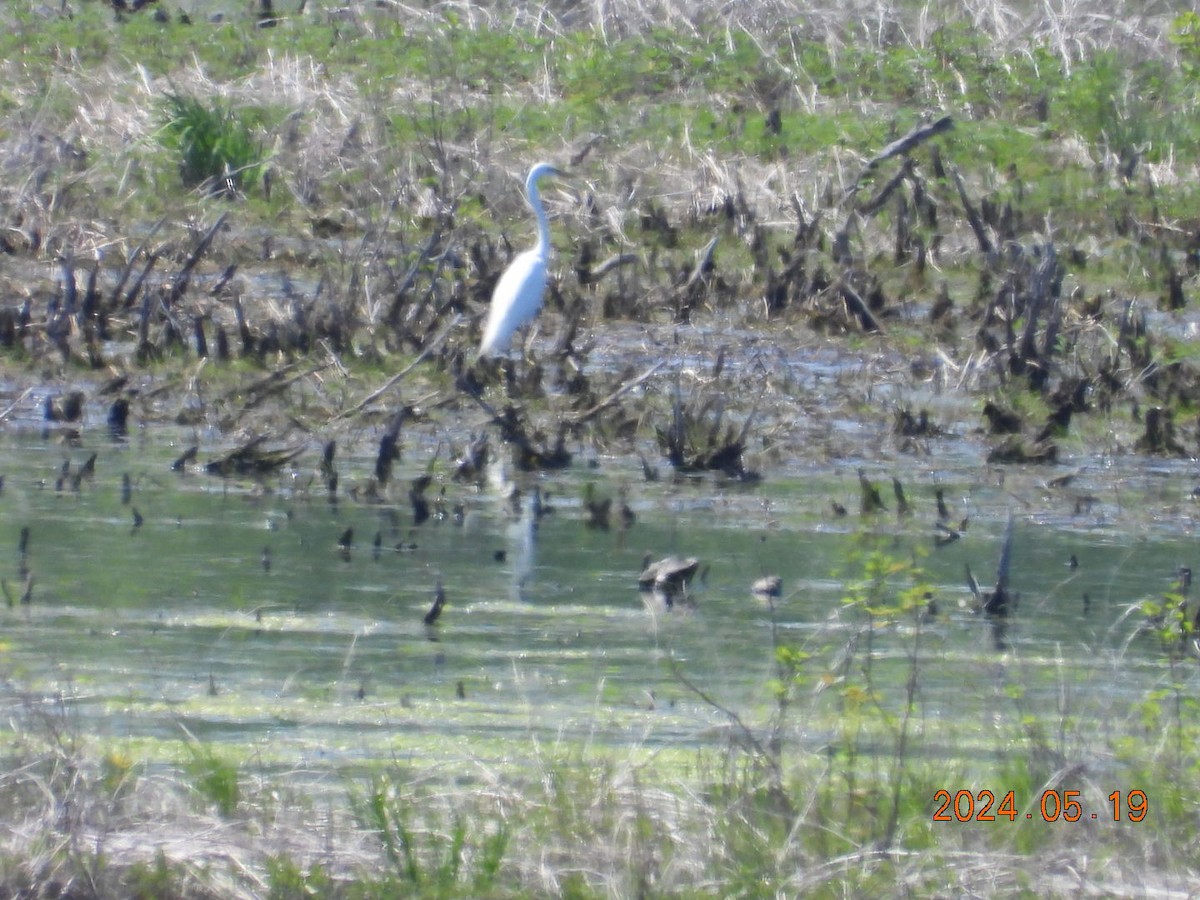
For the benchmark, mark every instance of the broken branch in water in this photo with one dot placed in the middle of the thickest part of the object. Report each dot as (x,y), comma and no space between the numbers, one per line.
(589,414)
(395,379)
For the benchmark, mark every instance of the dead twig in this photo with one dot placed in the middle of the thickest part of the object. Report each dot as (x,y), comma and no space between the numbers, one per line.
(8,410)
(589,414)
(275,383)
(858,306)
(430,346)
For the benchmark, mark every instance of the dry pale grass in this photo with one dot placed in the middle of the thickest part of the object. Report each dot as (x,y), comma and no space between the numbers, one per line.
(101,132)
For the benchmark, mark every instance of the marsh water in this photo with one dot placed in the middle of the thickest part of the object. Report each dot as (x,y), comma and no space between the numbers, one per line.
(231,614)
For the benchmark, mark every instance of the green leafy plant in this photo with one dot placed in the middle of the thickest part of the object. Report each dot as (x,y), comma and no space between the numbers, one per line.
(1185,35)
(214,779)
(289,881)
(215,144)
(427,859)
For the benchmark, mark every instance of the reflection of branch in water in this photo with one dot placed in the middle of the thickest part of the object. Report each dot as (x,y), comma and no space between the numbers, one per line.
(997,603)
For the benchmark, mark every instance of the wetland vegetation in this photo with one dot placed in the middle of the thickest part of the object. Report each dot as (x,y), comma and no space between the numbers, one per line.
(889,301)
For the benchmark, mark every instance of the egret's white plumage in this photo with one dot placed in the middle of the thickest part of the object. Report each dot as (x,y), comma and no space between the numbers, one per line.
(518,295)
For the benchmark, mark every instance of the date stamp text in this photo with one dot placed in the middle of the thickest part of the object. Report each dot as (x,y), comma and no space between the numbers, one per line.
(1053,806)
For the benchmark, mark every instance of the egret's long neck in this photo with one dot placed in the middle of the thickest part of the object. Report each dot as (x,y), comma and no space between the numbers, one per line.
(535,202)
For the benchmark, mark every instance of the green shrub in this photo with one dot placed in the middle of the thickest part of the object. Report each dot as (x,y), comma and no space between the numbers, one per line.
(217,150)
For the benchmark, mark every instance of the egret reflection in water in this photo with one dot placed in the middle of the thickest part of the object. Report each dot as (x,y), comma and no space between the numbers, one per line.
(523,542)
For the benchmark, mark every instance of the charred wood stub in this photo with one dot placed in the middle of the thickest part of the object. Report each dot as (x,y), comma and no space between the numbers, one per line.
(1133,337)
(68,408)
(181,462)
(1074,392)
(266,14)
(903,507)
(1001,420)
(523,382)
(389,447)
(118,418)
(1000,602)
(1175,299)
(942,309)
(697,441)
(252,459)
(919,425)
(244,333)
(528,455)
(418,500)
(598,509)
(1029,299)
(328,470)
(1015,449)
(1159,438)
(851,302)
(870,500)
(201,340)
(655,221)
(689,294)
(435,610)
(1057,424)
(530,452)
(974,219)
(470,465)
(10,333)
(792,285)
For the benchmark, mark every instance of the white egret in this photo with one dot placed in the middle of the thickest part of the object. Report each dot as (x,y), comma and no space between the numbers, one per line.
(518,295)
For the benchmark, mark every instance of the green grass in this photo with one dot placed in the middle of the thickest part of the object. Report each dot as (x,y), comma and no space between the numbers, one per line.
(214,779)
(214,143)
(606,823)
(526,88)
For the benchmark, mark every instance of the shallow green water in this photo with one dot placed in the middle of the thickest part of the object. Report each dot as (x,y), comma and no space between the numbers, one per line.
(140,635)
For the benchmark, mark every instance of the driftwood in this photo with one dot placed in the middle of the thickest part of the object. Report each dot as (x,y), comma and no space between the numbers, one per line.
(918,135)
(612,264)
(269,386)
(252,459)
(876,203)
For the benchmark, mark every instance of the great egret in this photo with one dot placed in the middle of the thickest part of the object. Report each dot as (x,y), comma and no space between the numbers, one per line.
(518,295)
